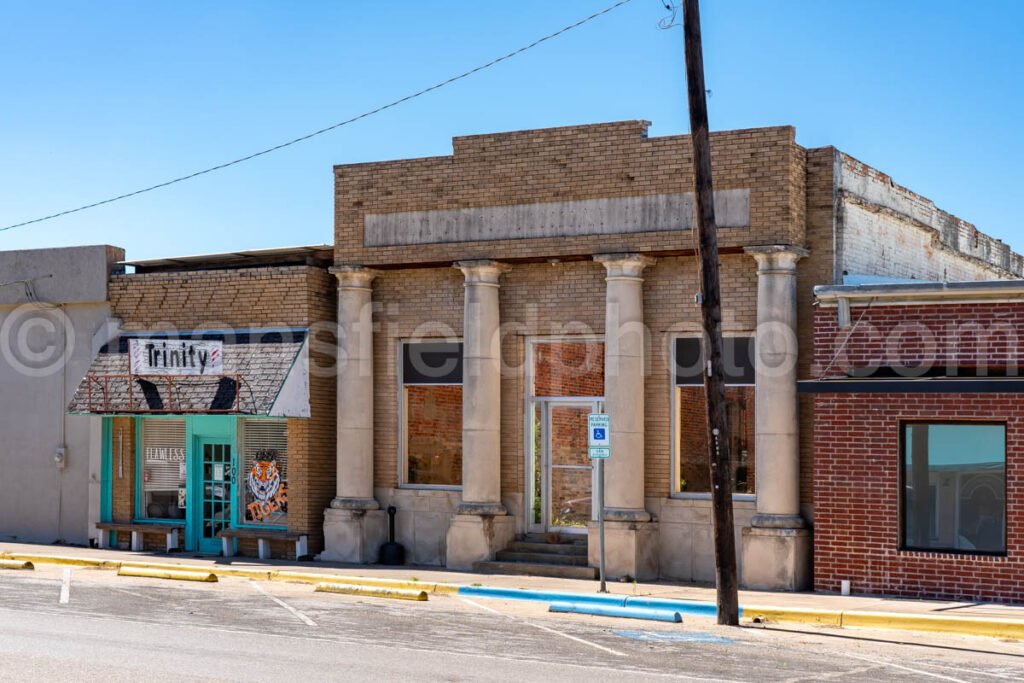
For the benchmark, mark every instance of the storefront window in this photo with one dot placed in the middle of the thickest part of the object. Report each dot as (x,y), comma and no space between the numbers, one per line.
(164,469)
(432,410)
(264,478)
(954,487)
(691,413)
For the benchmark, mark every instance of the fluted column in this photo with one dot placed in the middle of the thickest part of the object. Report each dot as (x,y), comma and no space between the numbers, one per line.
(624,385)
(354,460)
(481,389)
(777,440)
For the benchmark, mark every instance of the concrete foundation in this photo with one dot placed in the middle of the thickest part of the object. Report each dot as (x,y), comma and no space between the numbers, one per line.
(472,538)
(631,549)
(776,559)
(353,535)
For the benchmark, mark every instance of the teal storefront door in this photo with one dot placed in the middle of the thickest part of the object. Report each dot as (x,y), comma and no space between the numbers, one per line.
(215,491)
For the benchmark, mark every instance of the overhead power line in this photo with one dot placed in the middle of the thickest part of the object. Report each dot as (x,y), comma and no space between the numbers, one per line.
(303,138)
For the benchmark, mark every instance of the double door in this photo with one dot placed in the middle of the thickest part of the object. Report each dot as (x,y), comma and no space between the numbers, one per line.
(561,475)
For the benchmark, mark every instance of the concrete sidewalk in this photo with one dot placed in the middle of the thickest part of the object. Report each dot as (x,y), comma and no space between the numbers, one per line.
(659,589)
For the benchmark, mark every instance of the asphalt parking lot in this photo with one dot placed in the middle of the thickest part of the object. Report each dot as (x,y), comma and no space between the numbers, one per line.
(82,624)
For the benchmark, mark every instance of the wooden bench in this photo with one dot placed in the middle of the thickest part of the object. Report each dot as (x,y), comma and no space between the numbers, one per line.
(263,538)
(171,531)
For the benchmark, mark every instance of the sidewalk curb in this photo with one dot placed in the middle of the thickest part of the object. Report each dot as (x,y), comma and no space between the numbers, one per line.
(972,626)
(371,591)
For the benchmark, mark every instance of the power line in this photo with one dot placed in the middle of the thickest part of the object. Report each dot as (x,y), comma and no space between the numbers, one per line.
(303,138)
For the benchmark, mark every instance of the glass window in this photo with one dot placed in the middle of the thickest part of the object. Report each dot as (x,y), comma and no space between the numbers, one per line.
(432,411)
(691,413)
(264,484)
(164,469)
(954,487)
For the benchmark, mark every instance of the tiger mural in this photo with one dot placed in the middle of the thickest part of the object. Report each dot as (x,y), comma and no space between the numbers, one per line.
(266,488)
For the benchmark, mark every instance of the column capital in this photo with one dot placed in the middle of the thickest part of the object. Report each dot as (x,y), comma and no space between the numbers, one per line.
(629,266)
(482,271)
(777,258)
(353,277)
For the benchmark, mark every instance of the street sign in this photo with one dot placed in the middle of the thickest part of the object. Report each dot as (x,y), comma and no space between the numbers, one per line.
(599,428)
(600,452)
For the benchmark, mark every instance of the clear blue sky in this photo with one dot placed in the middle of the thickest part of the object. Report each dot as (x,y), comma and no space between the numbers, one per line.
(97,99)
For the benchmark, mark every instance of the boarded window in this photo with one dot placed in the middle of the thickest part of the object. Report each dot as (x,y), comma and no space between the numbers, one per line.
(164,469)
(264,484)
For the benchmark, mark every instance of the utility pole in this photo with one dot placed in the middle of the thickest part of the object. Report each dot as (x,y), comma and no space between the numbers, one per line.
(720,458)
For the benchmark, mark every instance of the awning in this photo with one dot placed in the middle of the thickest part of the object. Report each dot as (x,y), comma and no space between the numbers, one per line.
(249,372)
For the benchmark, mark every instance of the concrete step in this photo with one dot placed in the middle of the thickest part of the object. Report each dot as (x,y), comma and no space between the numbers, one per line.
(510,555)
(548,548)
(559,571)
(554,538)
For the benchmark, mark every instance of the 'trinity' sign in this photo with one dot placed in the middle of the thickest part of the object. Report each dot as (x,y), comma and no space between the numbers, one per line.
(176,357)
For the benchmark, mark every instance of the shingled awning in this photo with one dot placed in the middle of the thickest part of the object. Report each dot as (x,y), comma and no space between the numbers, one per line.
(262,372)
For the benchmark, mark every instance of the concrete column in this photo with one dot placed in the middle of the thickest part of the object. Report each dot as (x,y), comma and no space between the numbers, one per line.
(481,526)
(777,434)
(624,385)
(630,536)
(776,548)
(350,533)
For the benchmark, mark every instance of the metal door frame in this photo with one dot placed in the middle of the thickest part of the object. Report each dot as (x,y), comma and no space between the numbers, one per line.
(546,403)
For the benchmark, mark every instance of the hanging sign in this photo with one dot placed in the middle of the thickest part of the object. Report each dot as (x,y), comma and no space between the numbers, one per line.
(599,436)
(176,357)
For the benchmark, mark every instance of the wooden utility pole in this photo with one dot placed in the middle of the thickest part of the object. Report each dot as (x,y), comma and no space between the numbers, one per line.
(711,316)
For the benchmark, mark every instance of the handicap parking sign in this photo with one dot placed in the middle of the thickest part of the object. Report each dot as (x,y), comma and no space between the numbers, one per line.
(599,430)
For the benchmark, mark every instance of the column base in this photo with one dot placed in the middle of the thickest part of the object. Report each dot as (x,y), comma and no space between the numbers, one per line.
(626,515)
(353,535)
(476,538)
(630,548)
(355,504)
(769,521)
(776,559)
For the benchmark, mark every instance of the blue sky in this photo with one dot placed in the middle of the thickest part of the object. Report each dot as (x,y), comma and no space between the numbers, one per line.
(104,98)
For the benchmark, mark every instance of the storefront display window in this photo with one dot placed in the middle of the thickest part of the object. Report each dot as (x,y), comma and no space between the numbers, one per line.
(164,469)
(954,487)
(432,411)
(264,478)
(691,413)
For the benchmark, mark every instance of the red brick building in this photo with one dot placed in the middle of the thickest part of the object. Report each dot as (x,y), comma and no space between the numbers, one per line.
(918,438)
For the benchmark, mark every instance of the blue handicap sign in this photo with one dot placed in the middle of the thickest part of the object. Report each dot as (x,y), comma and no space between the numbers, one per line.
(599,434)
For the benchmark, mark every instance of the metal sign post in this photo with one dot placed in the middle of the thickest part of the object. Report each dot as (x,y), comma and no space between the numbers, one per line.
(599,443)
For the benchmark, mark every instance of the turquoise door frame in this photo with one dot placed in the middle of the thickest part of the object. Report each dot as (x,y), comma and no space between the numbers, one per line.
(214,430)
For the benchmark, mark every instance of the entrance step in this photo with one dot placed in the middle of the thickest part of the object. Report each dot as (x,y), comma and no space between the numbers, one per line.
(549,548)
(559,571)
(513,555)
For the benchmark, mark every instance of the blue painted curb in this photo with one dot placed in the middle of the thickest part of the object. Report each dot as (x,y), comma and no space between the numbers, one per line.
(615,611)
(693,607)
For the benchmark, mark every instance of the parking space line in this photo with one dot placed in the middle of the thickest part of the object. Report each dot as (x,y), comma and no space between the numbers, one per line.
(65,587)
(882,662)
(545,628)
(298,615)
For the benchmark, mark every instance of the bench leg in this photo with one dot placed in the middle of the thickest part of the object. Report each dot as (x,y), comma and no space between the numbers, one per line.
(104,539)
(264,548)
(136,541)
(227,546)
(172,540)
(301,547)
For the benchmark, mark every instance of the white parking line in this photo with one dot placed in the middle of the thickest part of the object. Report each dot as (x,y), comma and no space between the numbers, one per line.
(545,628)
(65,587)
(883,662)
(299,615)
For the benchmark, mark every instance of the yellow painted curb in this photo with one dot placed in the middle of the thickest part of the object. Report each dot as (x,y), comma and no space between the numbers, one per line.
(398,584)
(176,575)
(371,591)
(16,564)
(62,559)
(970,626)
(238,572)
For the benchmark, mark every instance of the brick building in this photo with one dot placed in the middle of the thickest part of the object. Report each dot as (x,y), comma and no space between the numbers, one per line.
(576,243)
(918,472)
(217,397)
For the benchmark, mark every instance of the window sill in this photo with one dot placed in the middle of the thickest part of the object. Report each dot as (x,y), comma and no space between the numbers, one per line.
(952,554)
(428,487)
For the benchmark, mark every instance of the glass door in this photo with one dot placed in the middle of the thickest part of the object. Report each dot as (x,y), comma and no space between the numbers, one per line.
(562,476)
(215,492)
